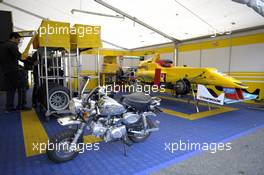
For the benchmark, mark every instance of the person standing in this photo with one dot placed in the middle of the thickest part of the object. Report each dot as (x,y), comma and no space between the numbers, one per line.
(14,75)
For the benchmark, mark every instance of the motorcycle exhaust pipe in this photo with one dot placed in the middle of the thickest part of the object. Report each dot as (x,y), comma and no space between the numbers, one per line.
(152,130)
(154,126)
(64,121)
(143,132)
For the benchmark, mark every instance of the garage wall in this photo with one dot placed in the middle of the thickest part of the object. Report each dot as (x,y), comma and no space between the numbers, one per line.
(130,62)
(217,58)
(191,59)
(88,62)
(167,56)
(247,58)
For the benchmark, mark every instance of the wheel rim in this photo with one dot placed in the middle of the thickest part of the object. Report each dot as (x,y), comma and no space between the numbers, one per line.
(181,87)
(59,100)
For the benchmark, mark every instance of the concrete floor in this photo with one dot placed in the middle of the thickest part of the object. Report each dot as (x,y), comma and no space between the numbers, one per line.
(245,158)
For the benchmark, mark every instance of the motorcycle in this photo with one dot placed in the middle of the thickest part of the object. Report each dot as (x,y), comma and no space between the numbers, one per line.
(127,120)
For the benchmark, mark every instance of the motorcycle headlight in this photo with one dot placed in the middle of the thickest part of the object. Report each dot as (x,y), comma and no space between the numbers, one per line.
(75,105)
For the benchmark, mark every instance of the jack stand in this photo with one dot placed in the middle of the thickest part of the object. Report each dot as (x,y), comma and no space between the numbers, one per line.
(196,101)
(209,106)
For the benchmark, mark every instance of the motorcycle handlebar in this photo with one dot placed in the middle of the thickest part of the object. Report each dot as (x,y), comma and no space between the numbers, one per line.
(87,79)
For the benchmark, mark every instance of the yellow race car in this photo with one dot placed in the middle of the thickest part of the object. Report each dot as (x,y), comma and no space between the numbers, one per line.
(181,78)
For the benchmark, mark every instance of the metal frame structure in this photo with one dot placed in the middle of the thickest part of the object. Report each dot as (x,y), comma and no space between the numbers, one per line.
(61,59)
(196,101)
(96,13)
(58,62)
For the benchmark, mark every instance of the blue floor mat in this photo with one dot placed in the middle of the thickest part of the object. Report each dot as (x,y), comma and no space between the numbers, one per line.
(110,159)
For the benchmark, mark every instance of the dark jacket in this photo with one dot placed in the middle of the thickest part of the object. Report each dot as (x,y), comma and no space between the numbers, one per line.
(9,56)
(14,75)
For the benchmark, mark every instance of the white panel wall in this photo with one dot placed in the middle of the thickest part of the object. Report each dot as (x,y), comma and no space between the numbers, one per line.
(167,56)
(89,62)
(146,57)
(248,58)
(191,59)
(217,58)
(130,62)
(163,56)
(126,63)
(135,62)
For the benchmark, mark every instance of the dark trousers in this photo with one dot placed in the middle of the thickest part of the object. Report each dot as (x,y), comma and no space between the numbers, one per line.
(21,98)
(16,80)
(10,96)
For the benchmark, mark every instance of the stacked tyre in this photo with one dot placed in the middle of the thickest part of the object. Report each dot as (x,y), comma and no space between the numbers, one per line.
(58,97)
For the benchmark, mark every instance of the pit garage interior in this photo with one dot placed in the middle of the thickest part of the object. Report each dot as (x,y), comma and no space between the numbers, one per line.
(206,59)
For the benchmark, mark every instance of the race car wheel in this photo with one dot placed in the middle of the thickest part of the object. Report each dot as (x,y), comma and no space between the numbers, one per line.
(182,87)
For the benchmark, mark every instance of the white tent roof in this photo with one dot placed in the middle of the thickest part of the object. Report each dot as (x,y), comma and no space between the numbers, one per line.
(180,19)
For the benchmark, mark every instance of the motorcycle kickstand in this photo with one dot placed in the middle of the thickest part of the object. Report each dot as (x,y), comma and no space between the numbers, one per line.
(125,149)
(126,142)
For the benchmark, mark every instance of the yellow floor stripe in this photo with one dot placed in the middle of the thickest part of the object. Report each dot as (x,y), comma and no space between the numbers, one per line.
(211,112)
(175,113)
(35,134)
(91,139)
(33,131)
(198,115)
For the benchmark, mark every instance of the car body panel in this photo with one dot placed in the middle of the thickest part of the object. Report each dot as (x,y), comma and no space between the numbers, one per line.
(205,76)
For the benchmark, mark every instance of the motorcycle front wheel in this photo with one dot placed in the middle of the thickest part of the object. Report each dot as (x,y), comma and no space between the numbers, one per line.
(60,149)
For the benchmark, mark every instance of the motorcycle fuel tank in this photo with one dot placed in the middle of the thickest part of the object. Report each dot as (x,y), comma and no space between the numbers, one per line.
(108,106)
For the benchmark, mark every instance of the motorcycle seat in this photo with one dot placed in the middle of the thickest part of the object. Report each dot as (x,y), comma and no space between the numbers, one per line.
(138,100)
